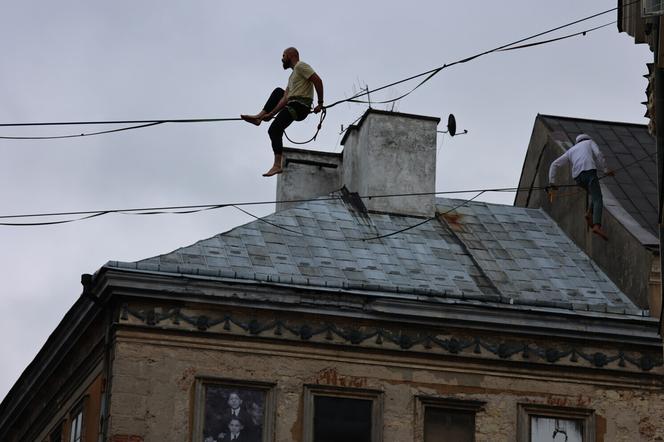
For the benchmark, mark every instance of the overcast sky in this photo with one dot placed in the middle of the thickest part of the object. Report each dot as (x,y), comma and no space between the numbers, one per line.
(158,59)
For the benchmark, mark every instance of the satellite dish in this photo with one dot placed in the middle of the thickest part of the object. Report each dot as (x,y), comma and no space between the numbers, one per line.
(451,125)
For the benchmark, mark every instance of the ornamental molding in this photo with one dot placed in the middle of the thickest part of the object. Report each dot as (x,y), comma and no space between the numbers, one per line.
(425,340)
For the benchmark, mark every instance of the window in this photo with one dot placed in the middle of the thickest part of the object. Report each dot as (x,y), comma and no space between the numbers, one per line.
(446,419)
(541,423)
(233,410)
(334,414)
(75,429)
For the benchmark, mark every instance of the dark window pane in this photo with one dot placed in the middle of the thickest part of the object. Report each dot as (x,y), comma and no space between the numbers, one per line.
(441,425)
(342,419)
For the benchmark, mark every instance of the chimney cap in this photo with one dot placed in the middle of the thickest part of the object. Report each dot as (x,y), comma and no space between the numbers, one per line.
(382,112)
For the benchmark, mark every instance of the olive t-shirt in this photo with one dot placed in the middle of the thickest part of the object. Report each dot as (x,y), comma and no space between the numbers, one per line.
(299,86)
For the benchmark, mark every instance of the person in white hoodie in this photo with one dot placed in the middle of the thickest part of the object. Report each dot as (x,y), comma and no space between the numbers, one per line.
(585,157)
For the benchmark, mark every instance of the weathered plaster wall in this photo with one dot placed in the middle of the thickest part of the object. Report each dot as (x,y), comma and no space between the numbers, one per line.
(154,376)
(393,153)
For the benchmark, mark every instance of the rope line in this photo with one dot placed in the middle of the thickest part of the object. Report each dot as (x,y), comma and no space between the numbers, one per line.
(274,224)
(353,99)
(425,221)
(194,208)
(143,123)
(435,71)
(529,45)
(323,114)
(55,137)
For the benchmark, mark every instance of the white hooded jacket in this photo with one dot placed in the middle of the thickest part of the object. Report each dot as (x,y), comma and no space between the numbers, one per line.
(584,155)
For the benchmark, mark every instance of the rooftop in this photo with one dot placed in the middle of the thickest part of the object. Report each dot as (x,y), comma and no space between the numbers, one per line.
(481,252)
(626,148)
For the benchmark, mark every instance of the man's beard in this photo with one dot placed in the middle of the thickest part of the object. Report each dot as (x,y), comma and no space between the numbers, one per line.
(285,64)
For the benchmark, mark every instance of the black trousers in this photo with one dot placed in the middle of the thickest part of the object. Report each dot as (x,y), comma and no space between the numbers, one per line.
(589,181)
(293,111)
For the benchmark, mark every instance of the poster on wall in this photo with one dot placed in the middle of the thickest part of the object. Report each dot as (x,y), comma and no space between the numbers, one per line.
(233,414)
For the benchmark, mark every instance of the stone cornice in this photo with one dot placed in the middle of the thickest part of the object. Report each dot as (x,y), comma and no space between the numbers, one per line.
(299,328)
(405,309)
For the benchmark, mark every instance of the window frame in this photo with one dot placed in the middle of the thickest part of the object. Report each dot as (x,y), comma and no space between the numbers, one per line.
(198,408)
(313,390)
(445,403)
(73,414)
(526,411)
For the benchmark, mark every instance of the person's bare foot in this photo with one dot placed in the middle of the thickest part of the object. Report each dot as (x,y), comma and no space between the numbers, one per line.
(589,218)
(273,171)
(253,119)
(597,230)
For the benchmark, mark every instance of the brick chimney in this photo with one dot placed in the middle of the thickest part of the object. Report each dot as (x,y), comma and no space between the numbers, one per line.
(384,153)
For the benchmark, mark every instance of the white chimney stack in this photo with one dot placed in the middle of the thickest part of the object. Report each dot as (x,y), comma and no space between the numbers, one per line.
(385,153)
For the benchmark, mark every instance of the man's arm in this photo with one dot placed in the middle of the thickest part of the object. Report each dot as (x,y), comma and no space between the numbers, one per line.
(601,161)
(555,166)
(280,105)
(318,85)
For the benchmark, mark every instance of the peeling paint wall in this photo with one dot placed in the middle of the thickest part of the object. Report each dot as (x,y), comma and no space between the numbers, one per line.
(154,377)
(393,153)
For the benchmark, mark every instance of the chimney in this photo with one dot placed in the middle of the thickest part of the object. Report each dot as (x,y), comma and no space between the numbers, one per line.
(307,174)
(384,153)
(392,153)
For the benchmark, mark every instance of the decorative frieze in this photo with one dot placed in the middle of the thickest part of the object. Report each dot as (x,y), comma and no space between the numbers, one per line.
(391,338)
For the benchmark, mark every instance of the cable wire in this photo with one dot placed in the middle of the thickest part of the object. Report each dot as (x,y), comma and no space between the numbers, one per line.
(56,137)
(193,208)
(274,224)
(353,99)
(437,70)
(425,221)
(144,123)
(434,71)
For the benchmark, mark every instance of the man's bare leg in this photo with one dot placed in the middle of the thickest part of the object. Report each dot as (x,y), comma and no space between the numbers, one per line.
(254,119)
(276,167)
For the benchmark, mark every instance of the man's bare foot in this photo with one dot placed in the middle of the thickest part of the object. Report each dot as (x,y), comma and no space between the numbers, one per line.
(273,171)
(597,230)
(253,119)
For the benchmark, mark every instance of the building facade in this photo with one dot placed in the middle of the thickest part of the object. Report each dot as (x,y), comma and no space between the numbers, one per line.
(351,318)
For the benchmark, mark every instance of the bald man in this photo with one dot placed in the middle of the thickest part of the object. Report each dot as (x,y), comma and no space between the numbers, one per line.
(292,104)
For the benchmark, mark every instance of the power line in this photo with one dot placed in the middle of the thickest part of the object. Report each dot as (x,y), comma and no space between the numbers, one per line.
(433,72)
(194,208)
(57,137)
(353,99)
(142,124)
(274,224)
(78,123)
(425,221)
(576,34)
(463,203)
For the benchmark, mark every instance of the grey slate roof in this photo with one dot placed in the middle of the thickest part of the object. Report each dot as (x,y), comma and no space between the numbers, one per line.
(492,253)
(623,144)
